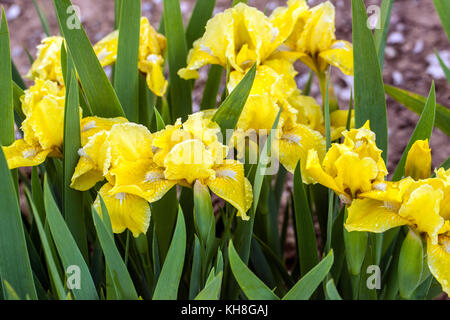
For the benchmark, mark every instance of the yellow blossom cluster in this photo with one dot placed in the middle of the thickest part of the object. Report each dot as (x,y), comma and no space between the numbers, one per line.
(356,171)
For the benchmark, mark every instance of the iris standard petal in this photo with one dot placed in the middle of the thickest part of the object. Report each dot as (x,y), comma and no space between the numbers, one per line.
(422,209)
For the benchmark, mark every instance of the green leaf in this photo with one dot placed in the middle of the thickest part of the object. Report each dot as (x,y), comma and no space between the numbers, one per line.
(146,103)
(331,291)
(42,18)
(416,103)
(305,233)
(126,80)
(443,66)
(381,33)
(169,279)
(423,131)
(212,289)
(73,199)
(306,286)
(118,271)
(443,9)
(445,164)
(180,89)
(370,102)
(209,99)
(6,89)
(228,113)
(164,216)
(51,263)
(204,220)
(410,264)
(200,15)
(15,265)
(67,248)
(159,120)
(253,288)
(355,248)
(17,93)
(194,284)
(17,78)
(99,91)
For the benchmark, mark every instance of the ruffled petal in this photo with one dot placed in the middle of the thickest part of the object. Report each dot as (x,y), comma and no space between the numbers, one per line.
(189,160)
(130,142)
(373,216)
(89,126)
(294,145)
(340,55)
(106,48)
(315,170)
(85,175)
(125,211)
(438,256)
(21,154)
(422,209)
(142,178)
(230,184)
(94,162)
(355,173)
(47,65)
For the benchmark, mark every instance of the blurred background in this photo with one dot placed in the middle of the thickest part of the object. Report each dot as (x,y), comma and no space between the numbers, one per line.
(411,64)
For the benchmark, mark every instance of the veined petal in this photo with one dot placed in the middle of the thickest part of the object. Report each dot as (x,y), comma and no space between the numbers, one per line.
(142,178)
(418,161)
(294,145)
(315,170)
(21,154)
(373,216)
(422,209)
(438,255)
(339,55)
(125,211)
(230,184)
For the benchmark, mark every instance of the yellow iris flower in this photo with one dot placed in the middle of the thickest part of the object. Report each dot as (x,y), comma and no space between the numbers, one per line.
(47,65)
(240,36)
(182,154)
(313,38)
(151,55)
(141,167)
(43,107)
(422,204)
(350,168)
